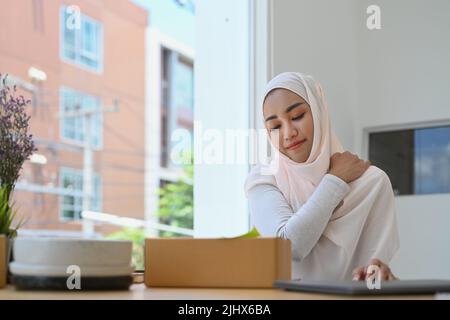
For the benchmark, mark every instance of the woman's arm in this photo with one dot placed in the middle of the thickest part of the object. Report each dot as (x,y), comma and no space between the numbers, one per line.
(273,216)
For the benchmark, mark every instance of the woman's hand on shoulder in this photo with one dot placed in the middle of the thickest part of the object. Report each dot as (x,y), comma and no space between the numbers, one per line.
(347,166)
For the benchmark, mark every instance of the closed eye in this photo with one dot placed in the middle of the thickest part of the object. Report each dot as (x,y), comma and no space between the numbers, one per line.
(276,127)
(298,117)
(294,119)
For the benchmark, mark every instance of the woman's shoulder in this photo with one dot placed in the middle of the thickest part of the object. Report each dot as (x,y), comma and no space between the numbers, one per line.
(377,173)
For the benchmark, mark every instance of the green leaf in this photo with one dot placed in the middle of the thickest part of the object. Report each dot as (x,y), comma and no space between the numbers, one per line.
(8,213)
(251,234)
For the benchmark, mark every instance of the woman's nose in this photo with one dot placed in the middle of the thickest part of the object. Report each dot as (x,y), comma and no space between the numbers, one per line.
(290,132)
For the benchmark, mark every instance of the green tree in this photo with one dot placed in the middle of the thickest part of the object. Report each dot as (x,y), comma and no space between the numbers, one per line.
(175,209)
(137,236)
(176,202)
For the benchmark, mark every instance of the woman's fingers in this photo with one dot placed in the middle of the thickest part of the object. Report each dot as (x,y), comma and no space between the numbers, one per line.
(370,264)
(359,273)
(385,272)
(364,272)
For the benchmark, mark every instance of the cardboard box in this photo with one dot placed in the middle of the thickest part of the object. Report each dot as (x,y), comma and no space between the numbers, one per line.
(3,262)
(238,263)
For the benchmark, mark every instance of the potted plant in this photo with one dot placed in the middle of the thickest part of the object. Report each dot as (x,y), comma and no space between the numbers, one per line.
(16,146)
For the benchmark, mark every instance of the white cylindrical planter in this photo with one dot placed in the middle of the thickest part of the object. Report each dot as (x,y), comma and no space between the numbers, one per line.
(54,263)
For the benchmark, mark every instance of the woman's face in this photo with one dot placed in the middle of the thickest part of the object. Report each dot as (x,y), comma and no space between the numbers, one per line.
(289,121)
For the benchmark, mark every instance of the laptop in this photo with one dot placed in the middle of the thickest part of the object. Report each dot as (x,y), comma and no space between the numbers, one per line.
(361,288)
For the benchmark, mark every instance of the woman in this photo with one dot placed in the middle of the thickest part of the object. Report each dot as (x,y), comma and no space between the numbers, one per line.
(337,210)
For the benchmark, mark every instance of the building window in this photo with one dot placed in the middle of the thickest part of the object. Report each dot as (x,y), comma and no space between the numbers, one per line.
(177,100)
(81,41)
(70,207)
(416,160)
(72,127)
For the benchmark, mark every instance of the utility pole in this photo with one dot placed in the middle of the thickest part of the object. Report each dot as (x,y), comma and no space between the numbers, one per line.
(88,161)
(88,171)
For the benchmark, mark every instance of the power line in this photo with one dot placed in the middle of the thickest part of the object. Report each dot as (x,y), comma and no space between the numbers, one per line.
(122,137)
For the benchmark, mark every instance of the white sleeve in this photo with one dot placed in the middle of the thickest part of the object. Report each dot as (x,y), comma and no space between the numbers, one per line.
(272,215)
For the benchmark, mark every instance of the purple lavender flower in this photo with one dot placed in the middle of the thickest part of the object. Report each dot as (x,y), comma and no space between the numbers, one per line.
(16,144)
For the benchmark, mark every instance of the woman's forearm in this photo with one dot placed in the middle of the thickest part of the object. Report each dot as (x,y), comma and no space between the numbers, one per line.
(272,215)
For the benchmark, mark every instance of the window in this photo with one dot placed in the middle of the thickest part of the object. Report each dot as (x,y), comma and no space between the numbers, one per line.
(224,74)
(81,43)
(72,206)
(72,128)
(416,160)
(177,100)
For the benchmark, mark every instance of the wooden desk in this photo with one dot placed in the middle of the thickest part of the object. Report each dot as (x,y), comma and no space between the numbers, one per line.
(140,292)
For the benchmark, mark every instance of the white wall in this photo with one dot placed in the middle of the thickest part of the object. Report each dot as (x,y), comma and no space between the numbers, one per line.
(404,74)
(394,76)
(318,38)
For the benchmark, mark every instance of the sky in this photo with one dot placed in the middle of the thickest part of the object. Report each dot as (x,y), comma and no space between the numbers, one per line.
(171,19)
(432,160)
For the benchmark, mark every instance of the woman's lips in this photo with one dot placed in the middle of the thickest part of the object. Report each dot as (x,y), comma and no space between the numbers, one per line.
(296,145)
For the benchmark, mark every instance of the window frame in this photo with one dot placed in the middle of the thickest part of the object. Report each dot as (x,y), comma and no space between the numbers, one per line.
(79,51)
(157,41)
(399,127)
(167,105)
(97,180)
(98,134)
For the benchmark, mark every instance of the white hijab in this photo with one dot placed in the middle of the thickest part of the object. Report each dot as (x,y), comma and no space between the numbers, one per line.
(364,225)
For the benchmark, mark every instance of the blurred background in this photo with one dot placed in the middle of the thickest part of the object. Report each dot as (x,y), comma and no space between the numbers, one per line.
(111,81)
